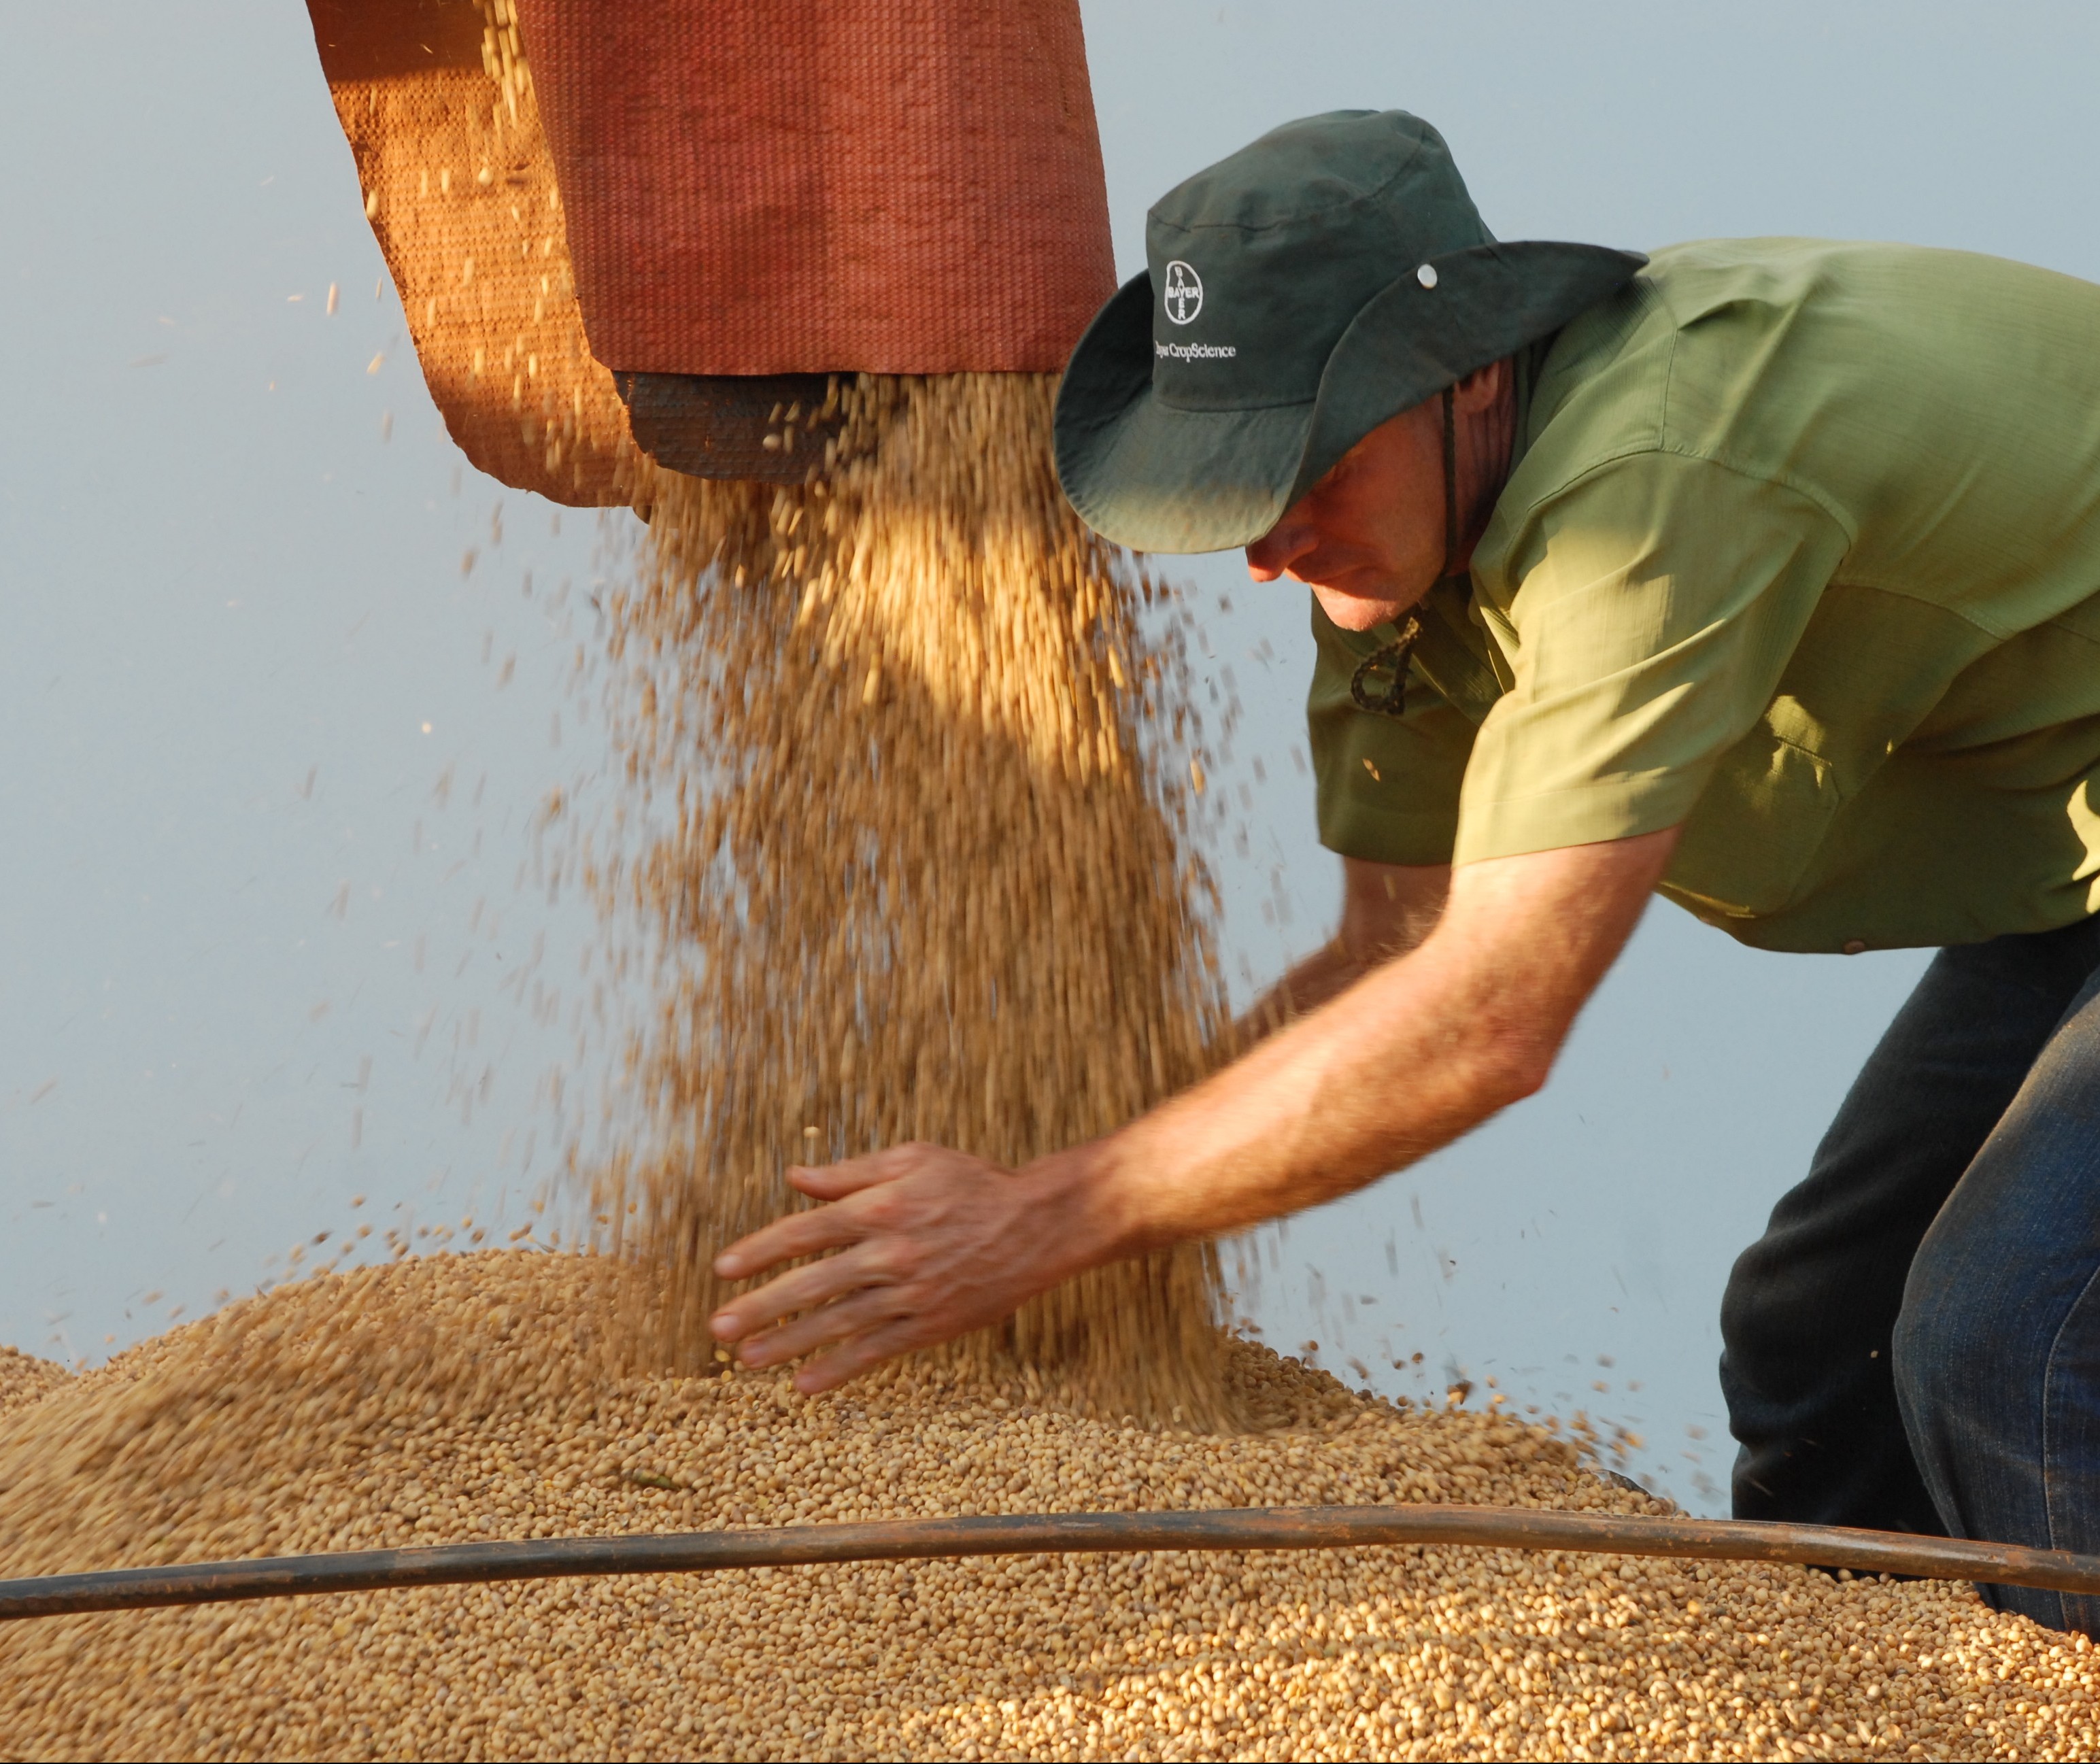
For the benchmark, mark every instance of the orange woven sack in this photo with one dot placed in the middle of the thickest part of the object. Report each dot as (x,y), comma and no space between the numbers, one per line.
(460,192)
(783,186)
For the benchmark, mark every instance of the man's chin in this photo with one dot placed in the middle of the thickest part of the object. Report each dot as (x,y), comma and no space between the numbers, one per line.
(1354,611)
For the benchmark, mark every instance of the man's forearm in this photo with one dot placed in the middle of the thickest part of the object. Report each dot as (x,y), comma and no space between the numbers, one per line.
(1415,1055)
(1386,910)
(1327,972)
(1399,1064)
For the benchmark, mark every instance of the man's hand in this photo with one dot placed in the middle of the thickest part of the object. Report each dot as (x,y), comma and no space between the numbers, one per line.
(931,1244)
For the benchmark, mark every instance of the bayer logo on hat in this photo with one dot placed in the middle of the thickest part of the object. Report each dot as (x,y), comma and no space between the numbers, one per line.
(1184,294)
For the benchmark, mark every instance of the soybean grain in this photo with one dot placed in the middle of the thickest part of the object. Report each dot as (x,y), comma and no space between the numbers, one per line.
(454,1398)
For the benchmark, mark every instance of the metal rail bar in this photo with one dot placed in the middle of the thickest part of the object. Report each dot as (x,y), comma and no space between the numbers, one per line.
(1276,1528)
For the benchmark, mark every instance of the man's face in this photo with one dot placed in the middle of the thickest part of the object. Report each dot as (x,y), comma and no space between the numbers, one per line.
(1369,537)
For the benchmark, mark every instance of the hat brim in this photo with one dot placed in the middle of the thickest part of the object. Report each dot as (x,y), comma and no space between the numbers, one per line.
(1154,476)
(1157,477)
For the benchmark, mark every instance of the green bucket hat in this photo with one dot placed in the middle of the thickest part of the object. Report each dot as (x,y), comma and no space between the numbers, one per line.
(1327,277)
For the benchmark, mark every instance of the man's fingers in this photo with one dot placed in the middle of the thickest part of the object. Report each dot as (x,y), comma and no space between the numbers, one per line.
(798,1234)
(865,1309)
(826,1228)
(801,1289)
(927,1249)
(832,1182)
(871,1347)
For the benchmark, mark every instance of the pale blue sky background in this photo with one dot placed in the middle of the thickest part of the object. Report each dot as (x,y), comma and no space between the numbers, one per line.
(256,958)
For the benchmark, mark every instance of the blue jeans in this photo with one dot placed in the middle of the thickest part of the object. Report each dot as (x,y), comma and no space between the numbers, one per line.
(1914,1343)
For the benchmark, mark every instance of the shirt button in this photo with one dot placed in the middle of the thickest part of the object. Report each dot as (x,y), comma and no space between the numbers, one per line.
(1856,946)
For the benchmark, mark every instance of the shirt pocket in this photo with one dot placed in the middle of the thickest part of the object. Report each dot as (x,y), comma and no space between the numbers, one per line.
(1756,828)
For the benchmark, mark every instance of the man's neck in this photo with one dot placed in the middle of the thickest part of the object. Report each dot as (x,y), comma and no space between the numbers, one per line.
(1486,441)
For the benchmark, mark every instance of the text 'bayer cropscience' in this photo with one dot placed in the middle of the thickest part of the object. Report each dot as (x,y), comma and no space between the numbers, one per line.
(1194,351)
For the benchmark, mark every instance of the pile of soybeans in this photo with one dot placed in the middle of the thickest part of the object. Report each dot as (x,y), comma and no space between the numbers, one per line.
(459,1398)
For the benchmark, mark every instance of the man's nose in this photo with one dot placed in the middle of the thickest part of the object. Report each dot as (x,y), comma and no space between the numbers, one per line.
(1283,545)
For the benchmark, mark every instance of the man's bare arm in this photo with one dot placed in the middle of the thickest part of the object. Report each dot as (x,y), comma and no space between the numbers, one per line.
(1386,910)
(933,1242)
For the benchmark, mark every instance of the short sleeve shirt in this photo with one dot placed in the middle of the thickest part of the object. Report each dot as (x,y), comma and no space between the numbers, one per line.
(1800,552)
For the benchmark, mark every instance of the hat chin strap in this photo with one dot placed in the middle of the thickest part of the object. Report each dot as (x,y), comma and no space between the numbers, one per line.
(1388,695)
(1450,481)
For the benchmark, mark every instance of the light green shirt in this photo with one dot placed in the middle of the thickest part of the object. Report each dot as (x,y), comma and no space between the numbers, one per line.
(1801,551)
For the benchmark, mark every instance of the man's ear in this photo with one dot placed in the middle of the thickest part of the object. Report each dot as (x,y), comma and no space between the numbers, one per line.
(1480,388)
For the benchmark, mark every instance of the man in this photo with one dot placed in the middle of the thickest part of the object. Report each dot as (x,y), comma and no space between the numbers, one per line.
(1766,574)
